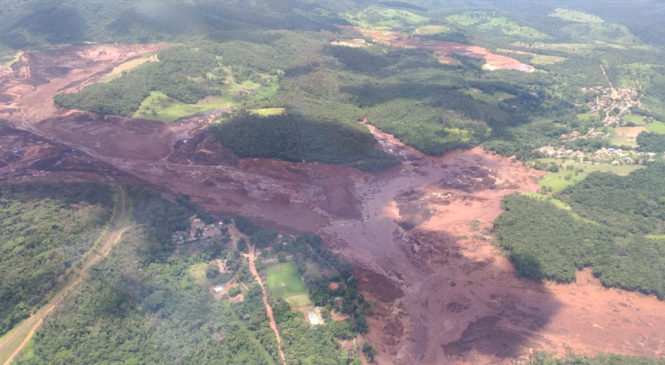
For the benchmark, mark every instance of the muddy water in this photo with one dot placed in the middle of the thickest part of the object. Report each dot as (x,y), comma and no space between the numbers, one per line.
(380,244)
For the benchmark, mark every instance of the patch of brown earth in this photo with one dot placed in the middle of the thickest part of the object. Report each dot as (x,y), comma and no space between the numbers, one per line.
(463,303)
(443,48)
(37,76)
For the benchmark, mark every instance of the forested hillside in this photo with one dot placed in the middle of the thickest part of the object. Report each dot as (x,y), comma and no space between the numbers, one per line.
(148,302)
(45,229)
(610,223)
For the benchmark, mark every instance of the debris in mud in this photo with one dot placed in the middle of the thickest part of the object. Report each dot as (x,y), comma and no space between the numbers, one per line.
(469,179)
(434,247)
(202,149)
(380,286)
(486,336)
(412,210)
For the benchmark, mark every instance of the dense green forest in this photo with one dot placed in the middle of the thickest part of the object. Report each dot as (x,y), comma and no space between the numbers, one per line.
(44,230)
(294,137)
(602,359)
(143,304)
(610,223)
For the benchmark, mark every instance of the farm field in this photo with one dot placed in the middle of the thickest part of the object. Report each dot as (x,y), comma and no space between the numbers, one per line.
(656,127)
(284,282)
(573,172)
(159,106)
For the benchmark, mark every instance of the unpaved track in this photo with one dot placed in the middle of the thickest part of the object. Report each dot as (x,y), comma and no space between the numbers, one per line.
(273,324)
(13,342)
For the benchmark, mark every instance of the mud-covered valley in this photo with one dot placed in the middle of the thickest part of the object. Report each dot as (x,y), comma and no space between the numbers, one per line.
(419,235)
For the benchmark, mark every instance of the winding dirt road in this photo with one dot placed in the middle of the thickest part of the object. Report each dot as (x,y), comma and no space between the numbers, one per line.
(271,318)
(13,342)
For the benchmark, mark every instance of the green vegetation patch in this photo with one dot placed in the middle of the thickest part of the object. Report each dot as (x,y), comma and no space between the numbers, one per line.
(293,137)
(634,119)
(296,301)
(159,106)
(7,61)
(186,80)
(431,29)
(609,223)
(376,17)
(490,98)
(151,299)
(433,131)
(44,230)
(490,22)
(570,173)
(651,142)
(119,71)
(575,16)
(656,127)
(546,59)
(543,358)
(284,280)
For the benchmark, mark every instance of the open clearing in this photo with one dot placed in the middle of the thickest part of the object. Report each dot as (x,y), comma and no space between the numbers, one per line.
(633,118)
(627,136)
(431,30)
(118,71)
(656,127)
(161,107)
(444,48)
(573,172)
(284,280)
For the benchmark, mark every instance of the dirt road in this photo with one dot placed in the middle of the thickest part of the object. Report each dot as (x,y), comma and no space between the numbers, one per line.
(13,342)
(252,268)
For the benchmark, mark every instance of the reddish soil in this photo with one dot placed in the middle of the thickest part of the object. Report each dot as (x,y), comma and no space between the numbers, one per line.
(416,233)
(443,48)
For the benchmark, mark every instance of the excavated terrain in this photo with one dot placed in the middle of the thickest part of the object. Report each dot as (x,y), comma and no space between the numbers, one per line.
(419,234)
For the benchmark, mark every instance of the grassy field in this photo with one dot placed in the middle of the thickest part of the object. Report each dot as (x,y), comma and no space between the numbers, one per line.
(558,181)
(375,17)
(633,118)
(431,30)
(266,112)
(656,127)
(128,66)
(493,98)
(575,16)
(159,106)
(546,60)
(198,272)
(556,202)
(298,301)
(284,280)
(559,204)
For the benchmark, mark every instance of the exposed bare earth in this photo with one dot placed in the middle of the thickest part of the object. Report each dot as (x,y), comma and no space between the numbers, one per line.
(415,232)
(444,48)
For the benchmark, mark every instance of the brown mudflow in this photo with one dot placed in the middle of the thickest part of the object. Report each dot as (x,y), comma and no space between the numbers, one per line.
(416,233)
